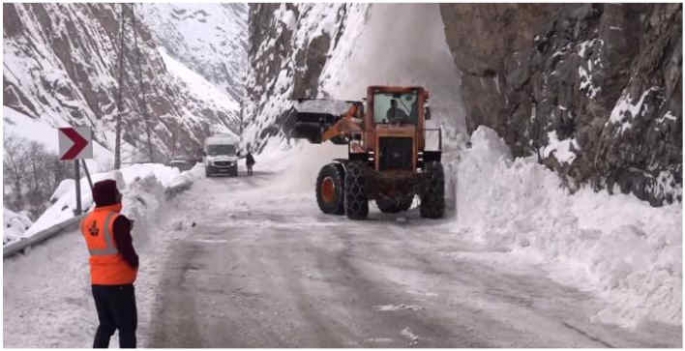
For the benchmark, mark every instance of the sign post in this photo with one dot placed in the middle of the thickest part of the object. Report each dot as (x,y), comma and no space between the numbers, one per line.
(77,178)
(75,144)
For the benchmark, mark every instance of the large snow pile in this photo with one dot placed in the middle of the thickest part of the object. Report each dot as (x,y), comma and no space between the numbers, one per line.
(621,247)
(15,224)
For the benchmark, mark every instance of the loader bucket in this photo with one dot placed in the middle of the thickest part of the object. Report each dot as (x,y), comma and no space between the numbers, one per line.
(310,118)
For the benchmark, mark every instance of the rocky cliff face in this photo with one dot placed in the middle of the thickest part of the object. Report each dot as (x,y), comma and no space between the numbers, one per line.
(61,67)
(289,47)
(593,90)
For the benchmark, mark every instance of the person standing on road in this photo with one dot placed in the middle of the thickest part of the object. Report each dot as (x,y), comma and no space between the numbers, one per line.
(249,162)
(113,266)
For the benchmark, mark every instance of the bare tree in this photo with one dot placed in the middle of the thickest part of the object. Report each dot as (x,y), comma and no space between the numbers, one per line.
(14,168)
(32,174)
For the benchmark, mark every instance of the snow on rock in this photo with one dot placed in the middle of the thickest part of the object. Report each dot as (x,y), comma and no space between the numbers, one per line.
(208,38)
(201,88)
(563,150)
(618,246)
(625,110)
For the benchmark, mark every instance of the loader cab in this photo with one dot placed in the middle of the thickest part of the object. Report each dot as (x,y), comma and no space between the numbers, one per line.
(396,108)
(395,120)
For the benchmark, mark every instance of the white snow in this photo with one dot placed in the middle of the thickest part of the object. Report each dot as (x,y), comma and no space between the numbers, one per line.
(624,110)
(62,189)
(413,338)
(584,73)
(391,308)
(586,82)
(65,195)
(15,224)
(414,52)
(668,116)
(22,126)
(619,247)
(197,84)
(562,149)
(50,303)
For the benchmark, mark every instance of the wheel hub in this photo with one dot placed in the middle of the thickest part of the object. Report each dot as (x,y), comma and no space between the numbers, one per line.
(328,190)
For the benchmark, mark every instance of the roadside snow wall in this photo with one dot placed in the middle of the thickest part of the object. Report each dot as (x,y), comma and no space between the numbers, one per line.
(621,247)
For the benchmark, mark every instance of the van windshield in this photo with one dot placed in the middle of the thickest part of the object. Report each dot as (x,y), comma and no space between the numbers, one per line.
(215,150)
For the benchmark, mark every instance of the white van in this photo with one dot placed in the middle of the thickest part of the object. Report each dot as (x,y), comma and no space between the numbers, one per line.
(220,155)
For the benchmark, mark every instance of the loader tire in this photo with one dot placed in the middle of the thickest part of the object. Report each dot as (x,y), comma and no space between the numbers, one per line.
(330,194)
(389,205)
(433,197)
(356,201)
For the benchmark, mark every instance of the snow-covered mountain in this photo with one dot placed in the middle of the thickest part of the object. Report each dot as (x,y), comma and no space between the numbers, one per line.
(210,39)
(61,68)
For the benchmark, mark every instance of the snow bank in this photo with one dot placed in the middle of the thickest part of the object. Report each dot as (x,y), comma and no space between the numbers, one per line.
(618,246)
(15,224)
(64,197)
(49,303)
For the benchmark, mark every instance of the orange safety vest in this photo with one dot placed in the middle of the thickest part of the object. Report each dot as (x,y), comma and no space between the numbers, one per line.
(107,265)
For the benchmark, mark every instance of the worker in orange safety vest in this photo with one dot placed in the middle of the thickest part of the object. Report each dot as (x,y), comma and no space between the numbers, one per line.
(113,266)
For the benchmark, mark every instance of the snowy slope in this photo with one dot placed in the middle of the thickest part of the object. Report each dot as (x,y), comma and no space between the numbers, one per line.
(61,67)
(209,38)
(201,90)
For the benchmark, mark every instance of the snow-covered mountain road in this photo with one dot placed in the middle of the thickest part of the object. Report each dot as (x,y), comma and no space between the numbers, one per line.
(257,265)
(262,266)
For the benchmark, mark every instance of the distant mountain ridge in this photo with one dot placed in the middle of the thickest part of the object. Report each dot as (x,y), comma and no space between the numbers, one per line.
(61,67)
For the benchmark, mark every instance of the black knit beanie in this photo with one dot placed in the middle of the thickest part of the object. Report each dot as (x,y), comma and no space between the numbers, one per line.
(105,193)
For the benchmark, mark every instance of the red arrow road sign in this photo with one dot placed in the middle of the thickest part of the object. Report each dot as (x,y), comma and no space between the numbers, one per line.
(79,143)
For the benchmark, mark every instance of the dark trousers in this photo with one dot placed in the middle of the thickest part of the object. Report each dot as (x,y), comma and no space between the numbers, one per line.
(249,169)
(116,306)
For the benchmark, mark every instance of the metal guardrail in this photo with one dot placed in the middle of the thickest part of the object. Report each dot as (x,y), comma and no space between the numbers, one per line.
(21,245)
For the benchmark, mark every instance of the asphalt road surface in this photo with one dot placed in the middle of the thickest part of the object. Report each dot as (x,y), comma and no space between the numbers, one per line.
(258,265)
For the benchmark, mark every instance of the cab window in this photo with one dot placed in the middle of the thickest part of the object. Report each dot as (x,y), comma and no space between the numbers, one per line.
(396,108)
